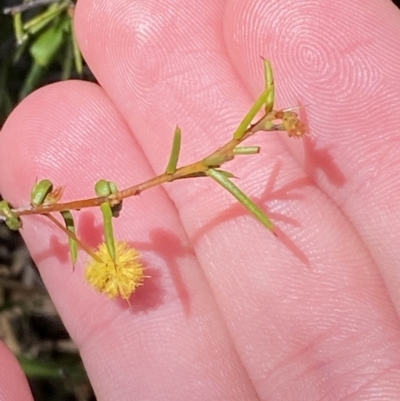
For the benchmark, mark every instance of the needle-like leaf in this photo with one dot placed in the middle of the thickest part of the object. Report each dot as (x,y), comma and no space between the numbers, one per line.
(176,147)
(260,102)
(246,150)
(266,99)
(269,86)
(108,228)
(73,245)
(255,210)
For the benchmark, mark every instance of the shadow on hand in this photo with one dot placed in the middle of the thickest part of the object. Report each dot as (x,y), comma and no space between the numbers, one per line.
(287,192)
(164,243)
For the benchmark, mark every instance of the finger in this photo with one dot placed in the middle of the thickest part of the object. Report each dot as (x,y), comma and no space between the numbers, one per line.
(14,385)
(156,82)
(341,72)
(75,136)
(347,74)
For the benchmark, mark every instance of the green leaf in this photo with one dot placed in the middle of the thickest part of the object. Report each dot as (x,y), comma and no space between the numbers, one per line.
(18,28)
(32,80)
(107,188)
(45,47)
(38,22)
(70,225)
(259,103)
(13,222)
(176,147)
(108,228)
(66,63)
(255,210)
(40,191)
(227,174)
(266,99)
(55,368)
(77,53)
(246,150)
(269,86)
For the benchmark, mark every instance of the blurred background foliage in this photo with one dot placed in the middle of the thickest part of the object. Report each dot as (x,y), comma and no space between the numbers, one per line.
(37,47)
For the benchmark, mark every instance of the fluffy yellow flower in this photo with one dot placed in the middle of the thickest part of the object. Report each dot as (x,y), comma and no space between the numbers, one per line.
(119,278)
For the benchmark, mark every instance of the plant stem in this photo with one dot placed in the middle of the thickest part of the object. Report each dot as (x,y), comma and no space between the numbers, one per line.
(198,169)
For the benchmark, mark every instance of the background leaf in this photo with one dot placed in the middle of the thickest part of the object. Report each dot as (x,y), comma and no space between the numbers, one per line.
(46,45)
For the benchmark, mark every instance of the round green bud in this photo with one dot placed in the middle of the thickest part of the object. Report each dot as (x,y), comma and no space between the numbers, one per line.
(13,222)
(40,191)
(102,188)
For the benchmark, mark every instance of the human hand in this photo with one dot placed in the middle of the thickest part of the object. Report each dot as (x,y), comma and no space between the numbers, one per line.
(230,311)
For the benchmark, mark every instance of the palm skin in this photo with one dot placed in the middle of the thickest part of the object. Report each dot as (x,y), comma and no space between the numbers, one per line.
(231,312)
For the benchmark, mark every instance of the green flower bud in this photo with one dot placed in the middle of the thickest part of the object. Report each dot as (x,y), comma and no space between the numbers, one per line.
(102,188)
(40,191)
(12,221)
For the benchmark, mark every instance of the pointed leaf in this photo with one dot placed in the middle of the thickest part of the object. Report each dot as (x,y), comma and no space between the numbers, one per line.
(246,150)
(44,48)
(241,130)
(73,245)
(77,53)
(40,21)
(40,191)
(106,188)
(255,210)
(18,28)
(269,86)
(176,147)
(108,228)
(227,174)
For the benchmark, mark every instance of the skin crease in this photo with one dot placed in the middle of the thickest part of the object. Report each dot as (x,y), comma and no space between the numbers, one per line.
(231,312)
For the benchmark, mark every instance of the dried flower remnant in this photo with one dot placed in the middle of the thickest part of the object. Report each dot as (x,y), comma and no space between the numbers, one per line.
(115,278)
(291,123)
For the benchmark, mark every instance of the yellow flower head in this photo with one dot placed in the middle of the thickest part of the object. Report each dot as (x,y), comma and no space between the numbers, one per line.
(119,278)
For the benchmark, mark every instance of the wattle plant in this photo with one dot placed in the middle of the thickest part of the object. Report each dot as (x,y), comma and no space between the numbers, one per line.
(114,267)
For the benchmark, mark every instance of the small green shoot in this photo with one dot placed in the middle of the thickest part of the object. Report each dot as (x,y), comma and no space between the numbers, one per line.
(255,210)
(265,99)
(70,226)
(246,150)
(176,147)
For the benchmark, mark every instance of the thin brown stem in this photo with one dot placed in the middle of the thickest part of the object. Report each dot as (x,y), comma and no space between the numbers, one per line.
(213,160)
(70,234)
